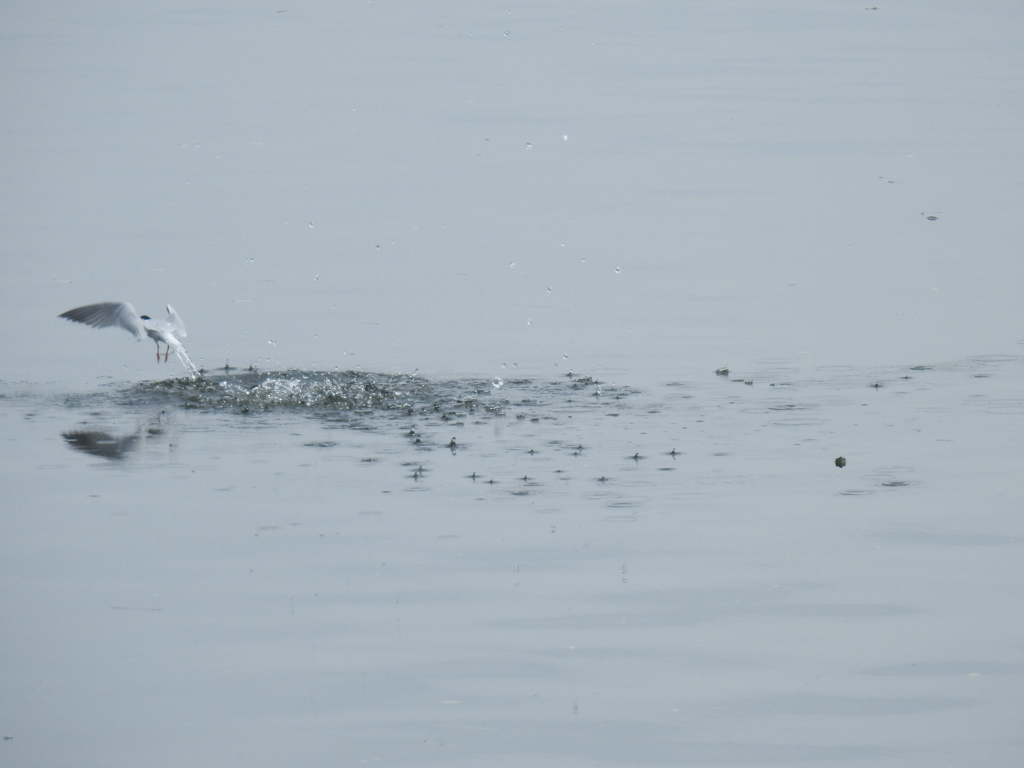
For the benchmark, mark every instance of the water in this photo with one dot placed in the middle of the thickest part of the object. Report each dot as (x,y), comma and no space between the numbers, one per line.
(421,508)
(367,567)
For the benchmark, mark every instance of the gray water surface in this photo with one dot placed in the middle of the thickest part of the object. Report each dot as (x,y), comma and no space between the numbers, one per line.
(257,568)
(459,484)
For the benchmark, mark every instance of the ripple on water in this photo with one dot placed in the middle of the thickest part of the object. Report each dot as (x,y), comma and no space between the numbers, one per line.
(891,477)
(1004,406)
(994,358)
(798,421)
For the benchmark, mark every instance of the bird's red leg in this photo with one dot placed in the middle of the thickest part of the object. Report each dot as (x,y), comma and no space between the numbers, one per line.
(167,352)
(158,352)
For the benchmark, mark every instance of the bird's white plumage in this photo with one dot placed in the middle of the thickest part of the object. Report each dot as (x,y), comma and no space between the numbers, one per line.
(123,315)
(108,313)
(177,327)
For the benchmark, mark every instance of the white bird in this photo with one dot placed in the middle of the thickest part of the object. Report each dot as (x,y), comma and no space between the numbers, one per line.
(123,315)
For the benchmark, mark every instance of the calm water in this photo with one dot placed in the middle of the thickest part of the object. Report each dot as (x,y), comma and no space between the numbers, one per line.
(258,568)
(460,484)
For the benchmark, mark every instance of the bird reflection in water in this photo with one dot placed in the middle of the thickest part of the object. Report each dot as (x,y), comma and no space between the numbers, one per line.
(103,444)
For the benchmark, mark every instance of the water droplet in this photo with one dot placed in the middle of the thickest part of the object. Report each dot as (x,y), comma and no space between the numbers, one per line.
(250,260)
(378,247)
(316,278)
(528,145)
(549,289)
(565,137)
(311,225)
(583,261)
(271,342)
(565,356)
(496,382)
(512,265)
(618,270)
(506,34)
(529,321)
(503,366)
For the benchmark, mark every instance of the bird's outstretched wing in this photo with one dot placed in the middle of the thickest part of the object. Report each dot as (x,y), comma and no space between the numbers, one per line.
(106,314)
(175,325)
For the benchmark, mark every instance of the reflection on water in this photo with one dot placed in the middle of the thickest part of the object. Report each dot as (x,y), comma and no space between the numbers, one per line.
(103,444)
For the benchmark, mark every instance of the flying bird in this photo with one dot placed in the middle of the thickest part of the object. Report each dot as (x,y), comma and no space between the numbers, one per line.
(123,315)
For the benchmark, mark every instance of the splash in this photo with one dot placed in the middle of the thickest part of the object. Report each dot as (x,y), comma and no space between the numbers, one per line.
(179,350)
(357,398)
(322,393)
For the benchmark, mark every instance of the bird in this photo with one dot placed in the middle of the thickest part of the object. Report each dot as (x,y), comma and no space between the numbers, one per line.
(123,315)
